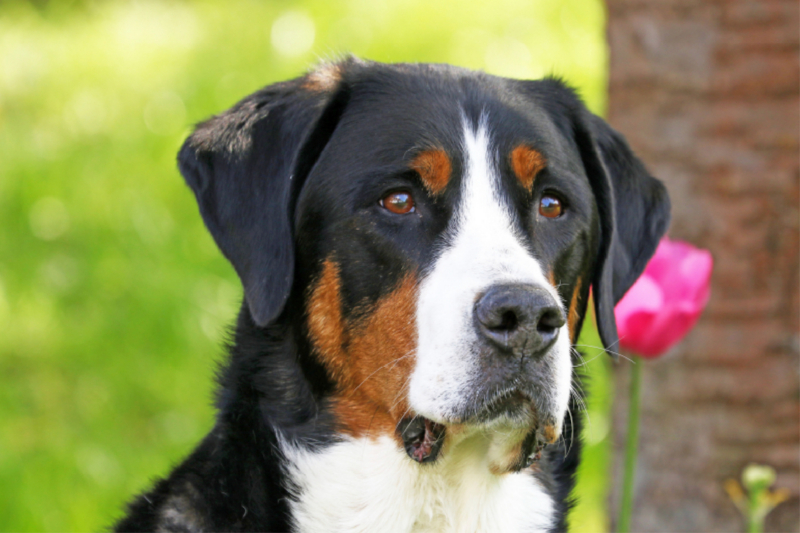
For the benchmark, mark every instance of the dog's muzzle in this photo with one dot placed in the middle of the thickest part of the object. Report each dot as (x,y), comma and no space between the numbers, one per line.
(517,325)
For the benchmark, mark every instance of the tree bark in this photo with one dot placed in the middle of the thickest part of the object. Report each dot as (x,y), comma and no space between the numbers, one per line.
(707,93)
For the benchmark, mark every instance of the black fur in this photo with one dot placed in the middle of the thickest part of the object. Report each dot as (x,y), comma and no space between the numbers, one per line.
(290,175)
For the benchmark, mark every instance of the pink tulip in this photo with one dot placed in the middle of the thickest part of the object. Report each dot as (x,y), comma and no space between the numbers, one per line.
(666,300)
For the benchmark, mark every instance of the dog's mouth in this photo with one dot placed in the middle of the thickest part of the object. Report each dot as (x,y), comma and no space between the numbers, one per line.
(422,438)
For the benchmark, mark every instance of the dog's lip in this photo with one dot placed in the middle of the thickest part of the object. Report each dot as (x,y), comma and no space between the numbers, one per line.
(511,402)
(422,438)
(508,399)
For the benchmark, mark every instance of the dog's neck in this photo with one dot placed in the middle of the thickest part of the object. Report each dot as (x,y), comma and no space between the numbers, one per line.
(370,484)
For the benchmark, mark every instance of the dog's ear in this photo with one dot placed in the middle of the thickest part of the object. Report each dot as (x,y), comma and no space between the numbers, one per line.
(634,212)
(246,167)
(633,207)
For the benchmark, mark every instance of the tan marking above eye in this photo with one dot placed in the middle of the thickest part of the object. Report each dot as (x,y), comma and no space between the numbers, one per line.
(434,167)
(550,206)
(527,163)
(399,202)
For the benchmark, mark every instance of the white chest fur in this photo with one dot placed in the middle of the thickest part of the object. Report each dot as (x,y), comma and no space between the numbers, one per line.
(370,485)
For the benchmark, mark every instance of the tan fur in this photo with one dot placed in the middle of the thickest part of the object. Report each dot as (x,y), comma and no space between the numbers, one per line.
(526,163)
(325,323)
(550,433)
(572,317)
(371,359)
(434,168)
(508,458)
(323,78)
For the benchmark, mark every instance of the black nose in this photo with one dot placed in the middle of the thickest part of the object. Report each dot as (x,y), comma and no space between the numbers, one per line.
(522,319)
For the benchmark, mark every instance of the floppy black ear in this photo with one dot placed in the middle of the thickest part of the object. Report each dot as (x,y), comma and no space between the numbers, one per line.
(246,167)
(634,212)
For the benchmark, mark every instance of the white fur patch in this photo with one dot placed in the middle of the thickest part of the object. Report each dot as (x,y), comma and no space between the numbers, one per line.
(484,250)
(366,485)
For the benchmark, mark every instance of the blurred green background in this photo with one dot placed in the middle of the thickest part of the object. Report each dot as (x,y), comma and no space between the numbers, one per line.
(113,298)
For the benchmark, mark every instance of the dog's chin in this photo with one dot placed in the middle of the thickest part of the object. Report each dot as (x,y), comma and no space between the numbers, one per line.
(511,409)
(509,418)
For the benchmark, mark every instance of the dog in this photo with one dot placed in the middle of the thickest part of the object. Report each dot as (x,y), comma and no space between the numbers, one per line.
(417,245)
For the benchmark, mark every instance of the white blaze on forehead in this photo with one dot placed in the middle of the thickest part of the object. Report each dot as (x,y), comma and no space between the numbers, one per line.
(484,249)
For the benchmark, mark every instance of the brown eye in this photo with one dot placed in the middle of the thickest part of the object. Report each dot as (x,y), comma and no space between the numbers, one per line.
(550,207)
(400,203)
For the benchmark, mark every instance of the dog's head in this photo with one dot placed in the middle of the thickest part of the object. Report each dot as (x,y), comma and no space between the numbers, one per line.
(436,232)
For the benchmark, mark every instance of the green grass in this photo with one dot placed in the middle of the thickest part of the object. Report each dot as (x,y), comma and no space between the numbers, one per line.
(591,491)
(113,298)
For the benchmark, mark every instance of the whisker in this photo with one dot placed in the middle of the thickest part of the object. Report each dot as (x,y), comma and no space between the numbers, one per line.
(572,432)
(394,363)
(403,388)
(606,350)
(578,395)
(369,428)
(585,362)
(396,426)
(577,388)
(583,408)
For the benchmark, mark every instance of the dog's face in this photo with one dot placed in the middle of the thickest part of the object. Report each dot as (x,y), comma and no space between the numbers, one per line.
(445,256)
(441,228)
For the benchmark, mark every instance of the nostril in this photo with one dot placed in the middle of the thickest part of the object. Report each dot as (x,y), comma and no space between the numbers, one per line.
(508,321)
(497,314)
(549,321)
(545,330)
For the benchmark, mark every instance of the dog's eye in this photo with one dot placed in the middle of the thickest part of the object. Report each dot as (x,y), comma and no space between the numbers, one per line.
(550,207)
(398,202)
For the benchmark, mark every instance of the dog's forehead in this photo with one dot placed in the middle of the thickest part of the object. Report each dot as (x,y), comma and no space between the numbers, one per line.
(392,114)
(393,126)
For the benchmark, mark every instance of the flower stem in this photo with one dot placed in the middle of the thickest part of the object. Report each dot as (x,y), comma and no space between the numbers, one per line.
(631,448)
(756,515)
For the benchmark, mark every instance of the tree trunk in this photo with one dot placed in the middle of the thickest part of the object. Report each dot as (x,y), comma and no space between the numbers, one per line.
(707,94)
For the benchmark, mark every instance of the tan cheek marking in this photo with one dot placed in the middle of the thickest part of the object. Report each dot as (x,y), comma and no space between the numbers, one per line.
(434,168)
(372,360)
(509,459)
(526,163)
(551,277)
(572,317)
(325,323)
(550,433)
